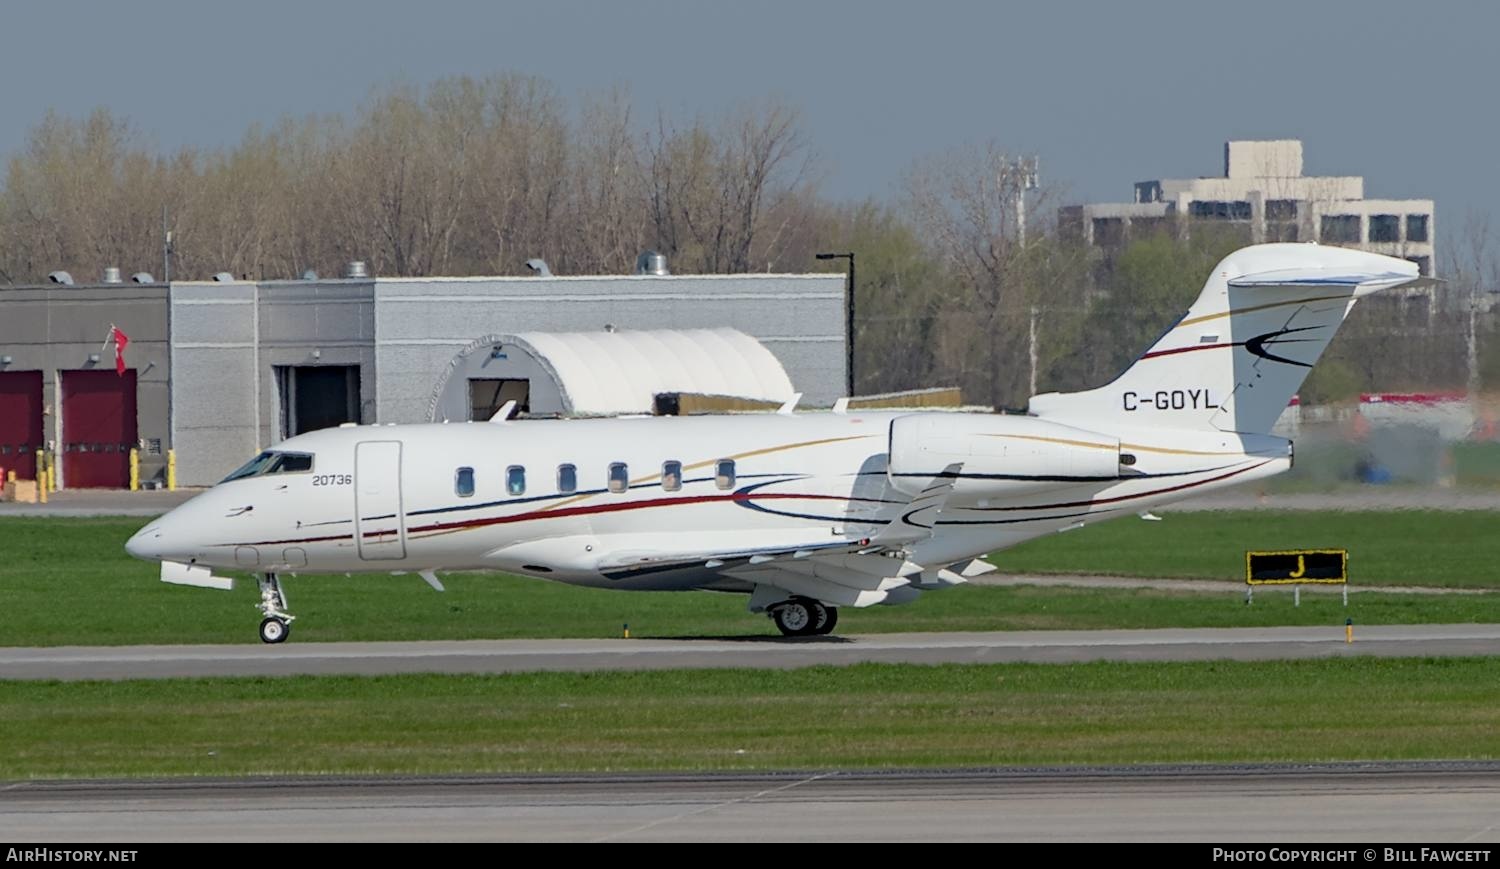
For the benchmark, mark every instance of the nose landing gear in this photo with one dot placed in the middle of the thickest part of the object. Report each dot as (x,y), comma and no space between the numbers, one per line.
(277,624)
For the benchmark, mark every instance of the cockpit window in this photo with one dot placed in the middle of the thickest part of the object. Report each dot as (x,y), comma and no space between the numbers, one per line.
(272,462)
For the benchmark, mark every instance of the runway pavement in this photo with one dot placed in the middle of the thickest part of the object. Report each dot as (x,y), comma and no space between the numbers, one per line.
(1456,802)
(509,656)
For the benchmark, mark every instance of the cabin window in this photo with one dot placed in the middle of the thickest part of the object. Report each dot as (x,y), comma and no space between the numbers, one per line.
(515,480)
(567,479)
(463,482)
(619,477)
(724,473)
(671,476)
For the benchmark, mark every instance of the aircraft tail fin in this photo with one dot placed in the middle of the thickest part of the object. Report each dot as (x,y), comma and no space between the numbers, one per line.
(1236,358)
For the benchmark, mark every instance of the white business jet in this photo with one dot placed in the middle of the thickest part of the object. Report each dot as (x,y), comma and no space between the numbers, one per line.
(803,512)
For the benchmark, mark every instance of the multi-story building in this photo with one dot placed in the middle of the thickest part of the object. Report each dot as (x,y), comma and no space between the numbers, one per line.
(1264,194)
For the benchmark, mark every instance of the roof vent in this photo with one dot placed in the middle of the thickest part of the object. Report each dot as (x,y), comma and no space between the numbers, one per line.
(651,263)
(309,275)
(61,277)
(223,278)
(142,278)
(539,268)
(356,269)
(112,275)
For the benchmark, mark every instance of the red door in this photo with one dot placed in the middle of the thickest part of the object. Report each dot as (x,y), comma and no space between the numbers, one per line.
(20,422)
(98,419)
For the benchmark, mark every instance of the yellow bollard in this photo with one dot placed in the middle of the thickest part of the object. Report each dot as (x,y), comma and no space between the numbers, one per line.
(1348,631)
(135,470)
(171,470)
(41,477)
(52,471)
(627,630)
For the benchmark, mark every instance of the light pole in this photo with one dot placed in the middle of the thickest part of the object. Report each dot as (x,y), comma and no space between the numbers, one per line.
(848,321)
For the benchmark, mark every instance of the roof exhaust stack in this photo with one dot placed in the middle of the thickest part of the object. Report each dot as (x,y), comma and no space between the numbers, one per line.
(356,269)
(651,263)
(539,268)
(112,275)
(61,277)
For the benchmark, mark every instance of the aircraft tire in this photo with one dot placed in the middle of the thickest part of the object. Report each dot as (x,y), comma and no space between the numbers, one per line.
(829,621)
(798,617)
(274,630)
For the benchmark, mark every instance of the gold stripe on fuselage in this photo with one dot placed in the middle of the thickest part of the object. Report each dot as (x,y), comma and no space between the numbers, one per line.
(1138,447)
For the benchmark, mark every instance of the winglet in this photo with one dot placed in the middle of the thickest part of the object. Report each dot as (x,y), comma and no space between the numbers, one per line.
(917,517)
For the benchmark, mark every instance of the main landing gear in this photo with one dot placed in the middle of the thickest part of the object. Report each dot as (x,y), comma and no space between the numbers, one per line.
(277,624)
(804,617)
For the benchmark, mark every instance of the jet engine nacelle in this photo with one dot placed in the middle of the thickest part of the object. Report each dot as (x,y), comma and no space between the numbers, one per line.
(1001,455)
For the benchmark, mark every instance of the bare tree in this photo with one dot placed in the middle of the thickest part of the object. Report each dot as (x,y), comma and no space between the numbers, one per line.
(712,187)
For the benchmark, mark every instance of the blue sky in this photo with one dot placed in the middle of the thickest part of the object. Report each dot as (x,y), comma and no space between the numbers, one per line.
(1106,93)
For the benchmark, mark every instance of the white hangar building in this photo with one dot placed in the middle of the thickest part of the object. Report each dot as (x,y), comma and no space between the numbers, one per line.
(217,370)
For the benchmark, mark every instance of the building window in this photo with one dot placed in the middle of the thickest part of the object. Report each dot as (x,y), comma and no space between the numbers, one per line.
(1281,232)
(619,478)
(1281,209)
(1416,227)
(671,476)
(515,480)
(1216,210)
(567,479)
(463,482)
(1385,227)
(724,473)
(1424,264)
(1341,228)
(1109,231)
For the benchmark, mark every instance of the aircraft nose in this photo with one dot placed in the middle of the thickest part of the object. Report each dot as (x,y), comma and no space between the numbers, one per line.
(147,543)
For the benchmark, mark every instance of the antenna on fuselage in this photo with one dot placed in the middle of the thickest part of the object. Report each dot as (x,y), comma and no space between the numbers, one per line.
(791,403)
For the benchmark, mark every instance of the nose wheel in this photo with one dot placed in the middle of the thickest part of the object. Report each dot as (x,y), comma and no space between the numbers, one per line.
(274,630)
(804,617)
(277,624)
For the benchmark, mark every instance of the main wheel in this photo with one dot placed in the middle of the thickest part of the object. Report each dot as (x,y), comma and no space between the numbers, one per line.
(797,617)
(274,630)
(830,619)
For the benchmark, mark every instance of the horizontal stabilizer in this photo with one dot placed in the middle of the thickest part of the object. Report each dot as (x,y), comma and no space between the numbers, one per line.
(1365,282)
(178,573)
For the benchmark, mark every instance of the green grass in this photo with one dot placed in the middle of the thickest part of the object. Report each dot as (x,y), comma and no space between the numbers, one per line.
(867,716)
(1397,547)
(68,582)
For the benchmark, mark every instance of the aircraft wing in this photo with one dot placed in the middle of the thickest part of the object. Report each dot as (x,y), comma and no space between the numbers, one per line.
(854,573)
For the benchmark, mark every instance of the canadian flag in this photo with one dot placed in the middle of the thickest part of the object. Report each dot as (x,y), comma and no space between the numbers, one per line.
(121,342)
